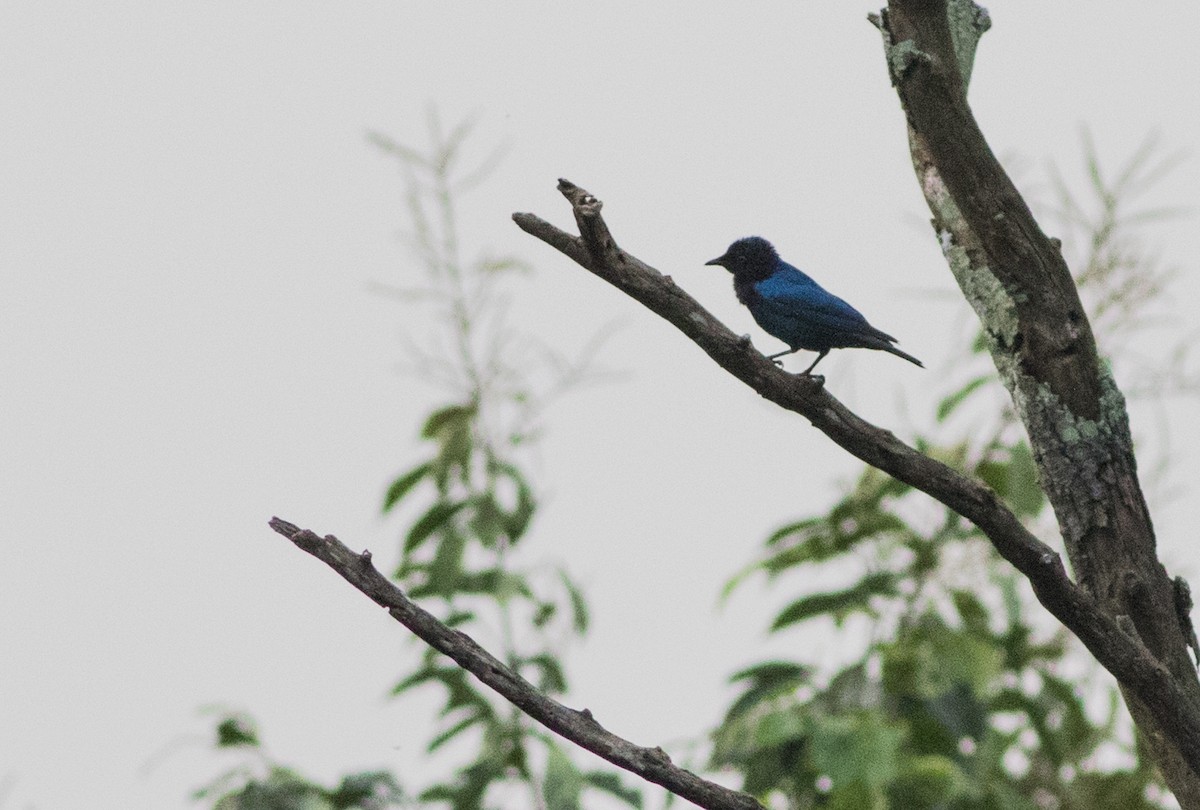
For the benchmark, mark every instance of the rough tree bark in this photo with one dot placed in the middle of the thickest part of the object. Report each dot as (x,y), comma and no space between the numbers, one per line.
(1040,339)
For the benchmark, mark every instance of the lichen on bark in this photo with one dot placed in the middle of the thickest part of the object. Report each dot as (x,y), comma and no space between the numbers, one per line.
(1074,454)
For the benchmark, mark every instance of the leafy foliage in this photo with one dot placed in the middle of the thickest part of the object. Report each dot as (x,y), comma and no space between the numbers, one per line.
(956,702)
(261,784)
(467,507)
(474,505)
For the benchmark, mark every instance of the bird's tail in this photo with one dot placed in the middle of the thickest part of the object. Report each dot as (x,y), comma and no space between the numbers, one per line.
(904,354)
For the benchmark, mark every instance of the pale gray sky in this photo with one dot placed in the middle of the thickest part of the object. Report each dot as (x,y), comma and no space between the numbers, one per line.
(192,216)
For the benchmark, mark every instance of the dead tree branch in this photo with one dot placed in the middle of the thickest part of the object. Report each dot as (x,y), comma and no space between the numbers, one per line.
(652,764)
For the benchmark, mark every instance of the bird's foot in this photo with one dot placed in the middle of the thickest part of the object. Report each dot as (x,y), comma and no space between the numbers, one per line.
(817,379)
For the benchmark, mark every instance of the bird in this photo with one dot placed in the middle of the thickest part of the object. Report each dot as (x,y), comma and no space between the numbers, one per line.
(789,305)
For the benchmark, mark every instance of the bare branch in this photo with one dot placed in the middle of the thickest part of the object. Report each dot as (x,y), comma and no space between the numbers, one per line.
(652,764)
(1122,654)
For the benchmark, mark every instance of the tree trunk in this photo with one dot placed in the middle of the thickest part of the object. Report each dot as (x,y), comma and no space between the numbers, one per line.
(1042,344)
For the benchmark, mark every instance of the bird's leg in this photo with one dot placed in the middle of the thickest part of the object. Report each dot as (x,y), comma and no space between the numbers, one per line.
(781,354)
(808,371)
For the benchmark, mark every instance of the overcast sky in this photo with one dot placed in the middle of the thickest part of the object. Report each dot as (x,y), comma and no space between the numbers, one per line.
(192,218)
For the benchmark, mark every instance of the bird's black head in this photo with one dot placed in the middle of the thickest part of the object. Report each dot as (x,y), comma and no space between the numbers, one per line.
(752,258)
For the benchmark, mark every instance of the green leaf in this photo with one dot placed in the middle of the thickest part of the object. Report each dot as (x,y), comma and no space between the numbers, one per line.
(850,690)
(948,405)
(516,522)
(857,519)
(404,484)
(237,730)
(995,474)
(424,675)
(1009,700)
(487,519)
(861,748)
(1112,791)
(980,344)
(779,727)
(435,518)
(461,698)
(800,528)
(510,586)
(1074,735)
(451,428)
(470,784)
(445,570)
(462,725)
(767,681)
(544,613)
(563,784)
(512,747)
(856,796)
(460,692)
(932,659)
(974,615)
(773,672)
(1015,479)
(1012,601)
(281,789)
(371,789)
(438,793)
(487,582)
(611,784)
(928,781)
(454,454)
(838,604)
(947,718)
(579,608)
(734,582)
(449,418)
(459,617)
(1025,494)
(550,673)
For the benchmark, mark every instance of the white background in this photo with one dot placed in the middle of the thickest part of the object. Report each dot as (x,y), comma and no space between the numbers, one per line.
(190,219)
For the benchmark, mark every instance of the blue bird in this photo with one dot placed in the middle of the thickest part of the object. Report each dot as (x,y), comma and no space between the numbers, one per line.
(792,307)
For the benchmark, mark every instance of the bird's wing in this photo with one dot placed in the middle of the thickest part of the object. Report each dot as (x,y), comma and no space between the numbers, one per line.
(807,312)
(796,294)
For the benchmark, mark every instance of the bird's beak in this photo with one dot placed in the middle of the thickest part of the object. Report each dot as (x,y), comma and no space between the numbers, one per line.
(719,262)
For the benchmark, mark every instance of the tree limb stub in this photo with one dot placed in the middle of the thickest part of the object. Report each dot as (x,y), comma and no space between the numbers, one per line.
(652,764)
(1125,657)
